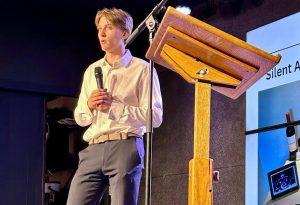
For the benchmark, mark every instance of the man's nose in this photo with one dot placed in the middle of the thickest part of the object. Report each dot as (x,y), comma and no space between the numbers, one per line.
(102,32)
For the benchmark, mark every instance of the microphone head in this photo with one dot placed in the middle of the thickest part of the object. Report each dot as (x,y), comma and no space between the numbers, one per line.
(98,72)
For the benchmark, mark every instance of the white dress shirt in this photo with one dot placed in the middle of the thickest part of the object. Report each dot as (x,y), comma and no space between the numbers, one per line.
(127,82)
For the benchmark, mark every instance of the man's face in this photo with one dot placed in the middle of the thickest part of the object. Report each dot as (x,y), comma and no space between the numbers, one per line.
(111,37)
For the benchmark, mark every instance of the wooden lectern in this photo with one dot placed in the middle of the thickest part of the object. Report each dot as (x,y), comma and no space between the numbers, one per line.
(211,59)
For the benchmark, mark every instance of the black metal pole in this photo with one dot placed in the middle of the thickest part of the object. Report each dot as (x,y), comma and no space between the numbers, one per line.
(151,25)
(148,168)
(273,127)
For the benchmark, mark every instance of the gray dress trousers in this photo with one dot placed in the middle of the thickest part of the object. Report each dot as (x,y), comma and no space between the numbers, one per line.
(116,165)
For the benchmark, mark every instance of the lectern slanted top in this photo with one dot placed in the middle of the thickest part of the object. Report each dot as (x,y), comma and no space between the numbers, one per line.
(211,59)
(231,64)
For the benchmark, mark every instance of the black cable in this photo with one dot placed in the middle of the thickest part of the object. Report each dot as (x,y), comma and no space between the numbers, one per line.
(273,127)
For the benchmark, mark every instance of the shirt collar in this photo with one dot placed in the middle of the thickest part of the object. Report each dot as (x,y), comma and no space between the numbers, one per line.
(122,62)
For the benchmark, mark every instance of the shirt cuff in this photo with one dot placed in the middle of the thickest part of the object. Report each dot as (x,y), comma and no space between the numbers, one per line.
(83,115)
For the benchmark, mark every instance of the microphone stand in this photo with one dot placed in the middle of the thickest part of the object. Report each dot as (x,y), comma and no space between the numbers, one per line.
(151,23)
(156,10)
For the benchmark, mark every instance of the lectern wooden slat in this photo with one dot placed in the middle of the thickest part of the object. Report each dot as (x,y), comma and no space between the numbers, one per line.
(210,59)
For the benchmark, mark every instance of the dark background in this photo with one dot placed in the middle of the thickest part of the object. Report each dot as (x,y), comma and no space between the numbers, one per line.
(46,45)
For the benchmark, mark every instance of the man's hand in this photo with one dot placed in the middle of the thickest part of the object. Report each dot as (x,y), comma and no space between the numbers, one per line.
(100,99)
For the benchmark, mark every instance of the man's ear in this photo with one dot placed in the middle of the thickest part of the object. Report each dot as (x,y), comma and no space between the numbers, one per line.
(125,35)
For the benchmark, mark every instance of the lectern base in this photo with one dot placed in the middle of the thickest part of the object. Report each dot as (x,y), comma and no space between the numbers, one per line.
(200,181)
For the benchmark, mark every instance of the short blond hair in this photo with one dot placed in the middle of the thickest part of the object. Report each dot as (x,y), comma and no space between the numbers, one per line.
(117,17)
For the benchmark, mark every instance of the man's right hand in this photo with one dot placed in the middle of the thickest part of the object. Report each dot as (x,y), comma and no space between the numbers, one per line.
(97,98)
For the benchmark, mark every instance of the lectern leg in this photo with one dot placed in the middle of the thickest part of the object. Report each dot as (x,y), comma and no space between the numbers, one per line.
(200,167)
(200,182)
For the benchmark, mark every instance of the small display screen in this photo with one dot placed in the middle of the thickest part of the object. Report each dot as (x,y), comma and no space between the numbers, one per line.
(283,180)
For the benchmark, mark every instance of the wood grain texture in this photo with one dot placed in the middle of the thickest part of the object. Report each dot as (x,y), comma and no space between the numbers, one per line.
(202,120)
(204,53)
(200,182)
(221,50)
(190,69)
(168,55)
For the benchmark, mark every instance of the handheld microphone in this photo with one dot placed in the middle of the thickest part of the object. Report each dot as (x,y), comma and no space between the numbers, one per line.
(99,77)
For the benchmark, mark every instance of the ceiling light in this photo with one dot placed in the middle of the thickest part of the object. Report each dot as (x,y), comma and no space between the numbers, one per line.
(184,9)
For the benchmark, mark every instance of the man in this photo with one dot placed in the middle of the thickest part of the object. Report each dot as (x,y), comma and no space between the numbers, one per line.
(116,116)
